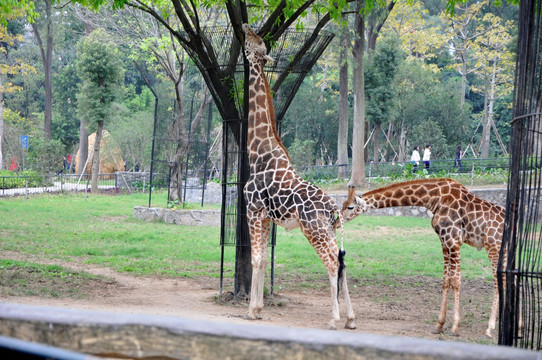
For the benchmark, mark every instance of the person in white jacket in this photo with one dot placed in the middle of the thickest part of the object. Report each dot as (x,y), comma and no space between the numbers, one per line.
(427,156)
(415,158)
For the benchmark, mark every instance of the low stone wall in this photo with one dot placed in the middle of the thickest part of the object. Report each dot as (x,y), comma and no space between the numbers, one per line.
(179,217)
(144,336)
(212,217)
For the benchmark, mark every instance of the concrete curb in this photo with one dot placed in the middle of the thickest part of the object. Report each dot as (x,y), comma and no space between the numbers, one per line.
(144,335)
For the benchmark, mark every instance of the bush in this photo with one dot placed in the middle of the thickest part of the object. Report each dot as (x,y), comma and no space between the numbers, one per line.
(12,180)
(45,156)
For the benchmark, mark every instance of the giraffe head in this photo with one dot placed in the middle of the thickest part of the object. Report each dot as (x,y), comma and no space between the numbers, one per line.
(255,49)
(353,205)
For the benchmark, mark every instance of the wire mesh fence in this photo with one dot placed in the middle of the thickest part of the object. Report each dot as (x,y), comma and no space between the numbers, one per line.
(199,183)
(520,262)
(396,169)
(38,184)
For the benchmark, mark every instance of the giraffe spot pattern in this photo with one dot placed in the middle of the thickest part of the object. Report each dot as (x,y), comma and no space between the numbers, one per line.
(458,217)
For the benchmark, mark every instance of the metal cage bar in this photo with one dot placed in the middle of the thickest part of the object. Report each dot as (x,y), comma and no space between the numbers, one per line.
(520,261)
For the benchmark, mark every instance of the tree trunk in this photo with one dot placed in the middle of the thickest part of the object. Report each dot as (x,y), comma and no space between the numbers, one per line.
(181,146)
(491,99)
(1,126)
(96,158)
(83,146)
(376,135)
(375,21)
(46,53)
(486,127)
(402,143)
(358,133)
(389,147)
(463,82)
(83,132)
(342,136)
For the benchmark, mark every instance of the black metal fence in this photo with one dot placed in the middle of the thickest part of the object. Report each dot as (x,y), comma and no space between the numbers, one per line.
(17,185)
(520,263)
(444,167)
(25,185)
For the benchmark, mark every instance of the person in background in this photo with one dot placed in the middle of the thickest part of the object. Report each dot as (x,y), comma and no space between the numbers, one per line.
(458,157)
(427,156)
(415,158)
(69,160)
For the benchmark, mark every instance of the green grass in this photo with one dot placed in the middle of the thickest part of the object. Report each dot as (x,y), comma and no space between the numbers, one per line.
(99,229)
(18,278)
(381,249)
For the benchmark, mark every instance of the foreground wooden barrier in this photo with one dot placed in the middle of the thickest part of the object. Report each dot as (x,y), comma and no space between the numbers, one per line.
(139,336)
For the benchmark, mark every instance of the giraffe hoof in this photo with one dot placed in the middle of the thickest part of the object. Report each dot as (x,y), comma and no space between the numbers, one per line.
(451,333)
(437,331)
(350,325)
(488,334)
(250,317)
(331,325)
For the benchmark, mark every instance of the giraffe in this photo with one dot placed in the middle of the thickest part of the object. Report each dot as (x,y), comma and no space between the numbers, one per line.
(459,217)
(275,193)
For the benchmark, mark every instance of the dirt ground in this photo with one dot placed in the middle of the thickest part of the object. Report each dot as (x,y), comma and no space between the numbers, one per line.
(406,307)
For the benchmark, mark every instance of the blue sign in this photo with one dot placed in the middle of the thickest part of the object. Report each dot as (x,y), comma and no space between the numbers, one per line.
(24,141)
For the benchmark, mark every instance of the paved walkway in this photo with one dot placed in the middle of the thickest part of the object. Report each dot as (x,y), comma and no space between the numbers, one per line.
(56,187)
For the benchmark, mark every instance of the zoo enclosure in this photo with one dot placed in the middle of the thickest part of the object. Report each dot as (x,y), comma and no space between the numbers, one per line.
(520,262)
(199,178)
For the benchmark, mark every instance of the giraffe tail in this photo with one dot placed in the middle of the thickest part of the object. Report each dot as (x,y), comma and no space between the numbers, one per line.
(342,254)
(342,266)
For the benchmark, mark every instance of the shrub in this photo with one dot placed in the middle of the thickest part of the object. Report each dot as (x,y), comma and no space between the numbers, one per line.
(12,180)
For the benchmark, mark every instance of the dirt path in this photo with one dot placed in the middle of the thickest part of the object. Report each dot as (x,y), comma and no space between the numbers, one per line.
(394,312)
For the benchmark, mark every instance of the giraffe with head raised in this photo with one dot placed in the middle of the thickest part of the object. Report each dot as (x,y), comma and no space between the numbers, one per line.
(275,193)
(459,217)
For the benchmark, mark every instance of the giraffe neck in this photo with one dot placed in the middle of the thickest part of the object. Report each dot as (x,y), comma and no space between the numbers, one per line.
(262,134)
(426,193)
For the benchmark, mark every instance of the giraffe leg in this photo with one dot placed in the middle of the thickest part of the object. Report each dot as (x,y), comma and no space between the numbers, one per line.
(445,289)
(350,316)
(332,273)
(258,230)
(493,254)
(443,303)
(455,281)
(263,266)
(325,245)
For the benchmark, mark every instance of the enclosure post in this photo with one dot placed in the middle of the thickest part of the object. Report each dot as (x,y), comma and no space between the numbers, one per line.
(273,243)
(221,268)
(169,187)
(188,152)
(153,140)
(224,192)
(209,120)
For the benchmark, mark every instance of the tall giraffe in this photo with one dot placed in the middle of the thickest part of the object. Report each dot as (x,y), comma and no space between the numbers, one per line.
(459,217)
(274,192)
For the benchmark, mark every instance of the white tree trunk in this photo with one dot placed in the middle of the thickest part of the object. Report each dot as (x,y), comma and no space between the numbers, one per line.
(96,158)
(342,135)
(463,82)
(1,127)
(358,132)
(486,134)
(402,143)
